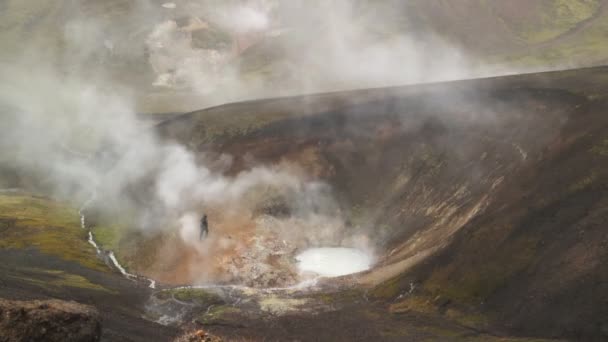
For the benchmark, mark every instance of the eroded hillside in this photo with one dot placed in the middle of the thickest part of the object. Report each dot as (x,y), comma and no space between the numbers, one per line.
(494,185)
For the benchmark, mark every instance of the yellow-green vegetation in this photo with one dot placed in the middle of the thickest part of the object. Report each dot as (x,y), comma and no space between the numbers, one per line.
(196,296)
(218,313)
(50,279)
(555,18)
(278,305)
(344,296)
(108,236)
(49,226)
(588,46)
(134,250)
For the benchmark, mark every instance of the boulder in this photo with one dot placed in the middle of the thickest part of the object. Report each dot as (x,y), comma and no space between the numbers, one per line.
(48,320)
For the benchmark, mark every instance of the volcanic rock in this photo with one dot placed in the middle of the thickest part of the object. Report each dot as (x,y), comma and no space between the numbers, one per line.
(49,320)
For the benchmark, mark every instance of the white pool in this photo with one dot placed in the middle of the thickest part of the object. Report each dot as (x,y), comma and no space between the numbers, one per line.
(333,261)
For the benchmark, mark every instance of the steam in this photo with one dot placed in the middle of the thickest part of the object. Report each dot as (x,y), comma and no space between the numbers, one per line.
(177,64)
(270,48)
(76,137)
(69,119)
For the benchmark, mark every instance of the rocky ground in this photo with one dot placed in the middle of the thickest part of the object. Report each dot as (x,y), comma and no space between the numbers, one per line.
(49,320)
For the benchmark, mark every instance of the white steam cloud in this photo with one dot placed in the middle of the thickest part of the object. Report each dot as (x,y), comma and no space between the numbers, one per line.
(262,48)
(69,119)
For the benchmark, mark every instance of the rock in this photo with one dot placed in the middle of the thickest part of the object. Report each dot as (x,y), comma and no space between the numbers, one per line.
(49,320)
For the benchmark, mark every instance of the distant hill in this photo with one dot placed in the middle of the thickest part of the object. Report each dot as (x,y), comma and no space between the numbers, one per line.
(111,35)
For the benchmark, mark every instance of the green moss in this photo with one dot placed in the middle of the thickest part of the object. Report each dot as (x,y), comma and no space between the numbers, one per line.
(63,279)
(49,226)
(196,296)
(163,295)
(50,279)
(590,46)
(219,313)
(108,236)
(332,298)
(554,19)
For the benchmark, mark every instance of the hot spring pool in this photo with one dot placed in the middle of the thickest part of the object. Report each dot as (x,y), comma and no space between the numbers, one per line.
(333,262)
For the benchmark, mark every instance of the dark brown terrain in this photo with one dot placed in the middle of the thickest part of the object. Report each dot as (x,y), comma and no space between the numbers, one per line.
(486,199)
(487,196)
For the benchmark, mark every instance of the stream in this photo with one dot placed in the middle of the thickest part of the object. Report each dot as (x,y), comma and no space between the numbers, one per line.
(110,254)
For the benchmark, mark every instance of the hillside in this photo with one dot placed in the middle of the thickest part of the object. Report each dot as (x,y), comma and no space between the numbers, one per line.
(489,200)
(177,165)
(302,54)
(483,201)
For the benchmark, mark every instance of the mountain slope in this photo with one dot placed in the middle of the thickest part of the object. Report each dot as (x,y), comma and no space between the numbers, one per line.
(485,197)
(110,38)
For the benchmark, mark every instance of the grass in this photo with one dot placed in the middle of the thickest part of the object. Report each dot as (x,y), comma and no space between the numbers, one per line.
(557,18)
(196,296)
(49,226)
(588,47)
(133,249)
(340,297)
(50,279)
(216,314)
(108,236)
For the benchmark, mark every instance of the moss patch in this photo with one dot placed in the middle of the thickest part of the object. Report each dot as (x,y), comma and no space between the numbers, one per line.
(557,18)
(50,279)
(196,296)
(217,314)
(588,46)
(345,296)
(107,236)
(47,225)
